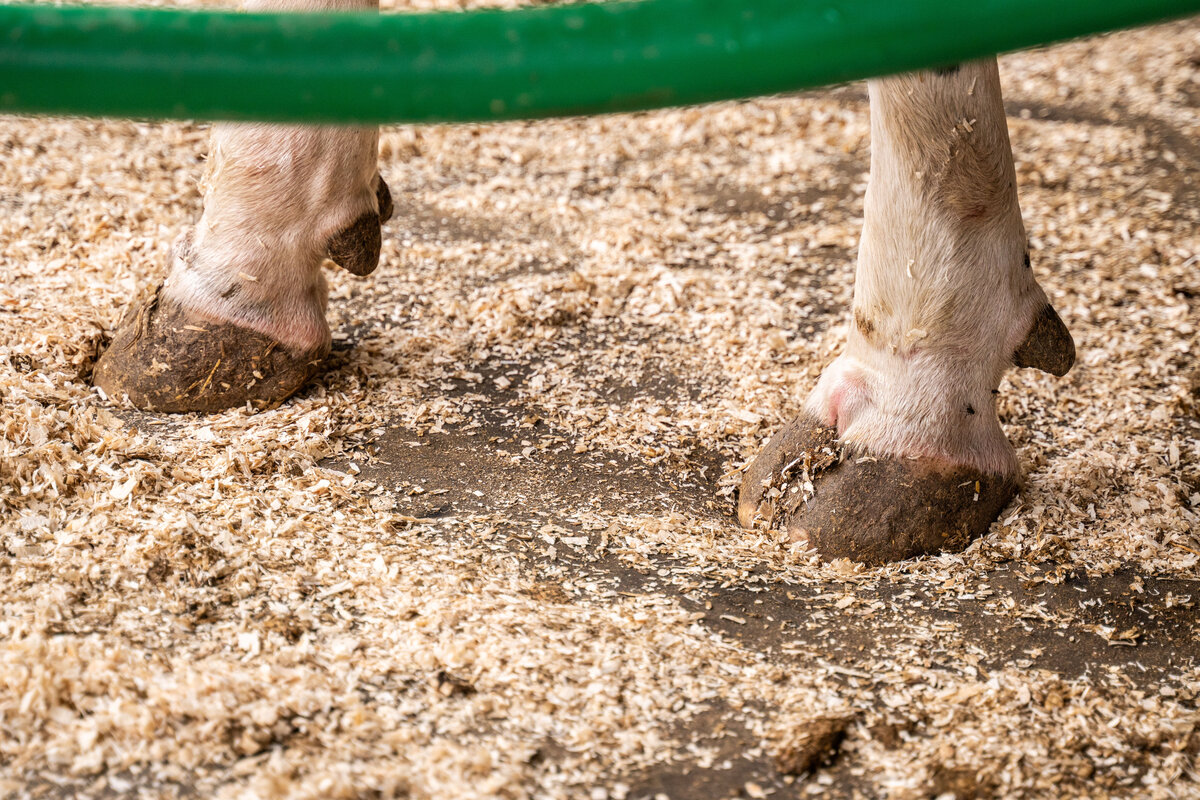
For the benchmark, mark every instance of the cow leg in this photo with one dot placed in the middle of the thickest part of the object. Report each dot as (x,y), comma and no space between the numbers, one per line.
(241,315)
(899,450)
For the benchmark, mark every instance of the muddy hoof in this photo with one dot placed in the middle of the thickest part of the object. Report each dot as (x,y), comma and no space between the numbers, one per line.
(356,247)
(865,509)
(165,360)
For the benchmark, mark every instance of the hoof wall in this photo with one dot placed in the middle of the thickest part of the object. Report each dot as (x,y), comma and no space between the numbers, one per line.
(163,359)
(870,510)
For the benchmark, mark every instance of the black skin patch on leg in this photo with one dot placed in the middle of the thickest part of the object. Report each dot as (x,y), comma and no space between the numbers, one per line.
(1028,263)
(946,72)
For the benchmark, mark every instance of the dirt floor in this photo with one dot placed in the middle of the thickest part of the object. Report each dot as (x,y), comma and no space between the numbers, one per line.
(491,552)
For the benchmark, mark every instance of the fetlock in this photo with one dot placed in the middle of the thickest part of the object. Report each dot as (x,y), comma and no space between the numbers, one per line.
(240,317)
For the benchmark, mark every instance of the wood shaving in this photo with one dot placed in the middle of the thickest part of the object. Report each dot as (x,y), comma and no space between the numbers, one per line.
(529,583)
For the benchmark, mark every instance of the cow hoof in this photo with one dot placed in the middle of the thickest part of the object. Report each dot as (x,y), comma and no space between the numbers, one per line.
(165,359)
(356,247)
(846,504)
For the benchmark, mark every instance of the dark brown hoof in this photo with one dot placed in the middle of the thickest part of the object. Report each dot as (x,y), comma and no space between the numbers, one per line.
(163,359)
(872,510)
(356,247)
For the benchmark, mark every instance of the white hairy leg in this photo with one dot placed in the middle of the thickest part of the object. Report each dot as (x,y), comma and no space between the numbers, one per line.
(274,197)
(943,293)
(944,302)
(241,315)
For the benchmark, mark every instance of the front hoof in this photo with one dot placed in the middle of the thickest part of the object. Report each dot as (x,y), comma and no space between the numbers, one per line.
(165,359)
(872,510)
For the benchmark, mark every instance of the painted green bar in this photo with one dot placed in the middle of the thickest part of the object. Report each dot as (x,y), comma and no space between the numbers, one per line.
(487,65)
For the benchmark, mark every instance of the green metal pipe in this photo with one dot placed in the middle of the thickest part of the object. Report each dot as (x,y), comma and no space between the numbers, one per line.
(487,65)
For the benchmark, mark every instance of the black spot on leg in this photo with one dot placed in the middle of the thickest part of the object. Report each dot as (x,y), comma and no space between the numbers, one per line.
(949,70)
(1028,264)
(970,409)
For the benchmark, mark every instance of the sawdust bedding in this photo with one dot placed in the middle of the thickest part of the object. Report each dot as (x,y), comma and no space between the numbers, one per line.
(205,606)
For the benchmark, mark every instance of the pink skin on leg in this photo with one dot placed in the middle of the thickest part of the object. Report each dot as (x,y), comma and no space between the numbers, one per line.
(846,400)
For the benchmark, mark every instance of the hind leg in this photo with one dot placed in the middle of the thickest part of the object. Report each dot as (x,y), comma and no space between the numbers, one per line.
(899,451)
(241,315)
